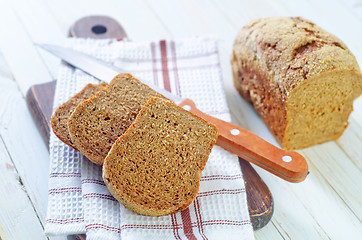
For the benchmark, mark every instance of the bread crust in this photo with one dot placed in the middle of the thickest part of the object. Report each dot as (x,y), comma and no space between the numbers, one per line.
(274,56)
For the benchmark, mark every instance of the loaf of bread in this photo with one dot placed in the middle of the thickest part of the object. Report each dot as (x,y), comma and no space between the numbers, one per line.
(301,79)
(59,120)
(154,167)
(97,122)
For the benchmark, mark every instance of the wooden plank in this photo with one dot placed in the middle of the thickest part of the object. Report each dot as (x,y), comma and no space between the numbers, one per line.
(40,29)
(268,232)
(145,25)
(134,16)
(78,9)
(18,220)
(240,12)
(311,209)
(21,55)
(23,141)
(351,142)
(340,173)
(178,18)
(357,112)
(291,217)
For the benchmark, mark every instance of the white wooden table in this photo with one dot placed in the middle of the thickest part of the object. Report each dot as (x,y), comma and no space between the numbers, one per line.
(328,205)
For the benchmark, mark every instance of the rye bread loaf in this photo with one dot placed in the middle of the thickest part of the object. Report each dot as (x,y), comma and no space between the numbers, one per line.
(154,167)
(97,122)
(301,79)
(59,120)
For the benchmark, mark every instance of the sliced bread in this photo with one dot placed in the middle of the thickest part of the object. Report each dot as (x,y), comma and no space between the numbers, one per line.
(59,120)
(154,167)
(96,123)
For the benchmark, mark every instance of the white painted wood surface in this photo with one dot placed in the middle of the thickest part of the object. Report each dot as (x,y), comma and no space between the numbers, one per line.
(328,205)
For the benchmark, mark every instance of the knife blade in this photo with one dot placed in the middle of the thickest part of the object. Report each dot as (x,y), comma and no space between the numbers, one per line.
(288,165)
(101,70)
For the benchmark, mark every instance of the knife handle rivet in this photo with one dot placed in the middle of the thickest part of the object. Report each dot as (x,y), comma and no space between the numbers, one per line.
(187,107)
(234,132)
(287,158)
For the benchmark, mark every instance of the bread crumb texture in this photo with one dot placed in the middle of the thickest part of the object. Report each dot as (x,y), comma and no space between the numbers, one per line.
(301,79)
(97,122)
(154,167)
(59,120)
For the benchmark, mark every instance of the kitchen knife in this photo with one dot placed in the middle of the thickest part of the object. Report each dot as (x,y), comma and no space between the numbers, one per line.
(288,165)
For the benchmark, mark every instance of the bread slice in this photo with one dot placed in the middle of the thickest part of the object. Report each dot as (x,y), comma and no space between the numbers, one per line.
(154,167)
(96,123)
(301,79)
(59,120)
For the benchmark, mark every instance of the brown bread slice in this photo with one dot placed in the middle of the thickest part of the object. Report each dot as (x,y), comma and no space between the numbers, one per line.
(96,123)
(154,167)
(59,120)
(301,79)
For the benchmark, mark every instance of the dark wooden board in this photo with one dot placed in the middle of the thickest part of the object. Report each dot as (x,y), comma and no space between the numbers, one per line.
(40,100)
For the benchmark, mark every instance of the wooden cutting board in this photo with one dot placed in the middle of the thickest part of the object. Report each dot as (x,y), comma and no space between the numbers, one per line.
(40,101)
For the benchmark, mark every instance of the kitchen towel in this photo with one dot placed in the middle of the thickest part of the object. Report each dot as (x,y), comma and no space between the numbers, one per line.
(80,203)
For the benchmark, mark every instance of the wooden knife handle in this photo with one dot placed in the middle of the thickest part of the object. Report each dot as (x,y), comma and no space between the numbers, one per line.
(288,165)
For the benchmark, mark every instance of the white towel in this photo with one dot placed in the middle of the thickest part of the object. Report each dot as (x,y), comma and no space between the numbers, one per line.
(80,203)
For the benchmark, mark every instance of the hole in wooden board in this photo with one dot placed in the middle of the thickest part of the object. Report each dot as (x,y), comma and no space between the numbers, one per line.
(99,29)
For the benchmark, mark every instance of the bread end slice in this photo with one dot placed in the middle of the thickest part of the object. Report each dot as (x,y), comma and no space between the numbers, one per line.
(59,120)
